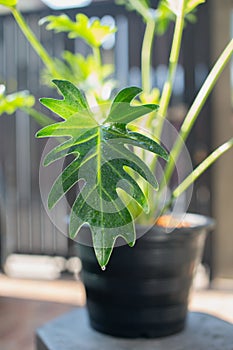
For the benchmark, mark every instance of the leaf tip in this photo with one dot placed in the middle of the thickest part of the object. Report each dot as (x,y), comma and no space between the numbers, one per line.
(38,134)
(57,82)
(73,231)
(46,161)
(166,156)
(51,203)
(43,101)
(132,244)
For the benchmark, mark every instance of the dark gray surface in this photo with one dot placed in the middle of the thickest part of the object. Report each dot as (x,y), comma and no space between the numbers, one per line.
(72,332)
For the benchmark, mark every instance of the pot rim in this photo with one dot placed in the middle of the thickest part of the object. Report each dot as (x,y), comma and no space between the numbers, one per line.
(197,222)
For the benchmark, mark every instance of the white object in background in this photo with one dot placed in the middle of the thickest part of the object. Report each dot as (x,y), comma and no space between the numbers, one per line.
(60,4)
(2,89)
(34,266)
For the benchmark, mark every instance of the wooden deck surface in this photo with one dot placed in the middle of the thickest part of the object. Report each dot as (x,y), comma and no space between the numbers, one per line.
(20,318)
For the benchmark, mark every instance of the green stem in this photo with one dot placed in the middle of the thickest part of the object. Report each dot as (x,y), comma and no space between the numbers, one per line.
(168,85)
(141,9)
(201,168)
(42,53)
(39,117)
(146,56)
(97,55)
(195,109)
(146,69)
(173,61)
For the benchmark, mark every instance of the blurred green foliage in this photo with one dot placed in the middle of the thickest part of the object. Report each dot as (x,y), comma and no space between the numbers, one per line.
(19,100)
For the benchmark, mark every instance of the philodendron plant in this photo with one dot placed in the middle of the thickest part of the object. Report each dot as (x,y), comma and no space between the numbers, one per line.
(102,156)
(102,139)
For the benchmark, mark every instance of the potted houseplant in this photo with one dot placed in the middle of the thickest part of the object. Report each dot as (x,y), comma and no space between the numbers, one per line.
(144,290)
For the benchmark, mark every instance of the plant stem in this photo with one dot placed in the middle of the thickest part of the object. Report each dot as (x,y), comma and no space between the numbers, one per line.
(173,61)
(42,53)
(201,168)
(146,55)
(141,9)
(97,55)
(196,108)
(39,117)
(168,85)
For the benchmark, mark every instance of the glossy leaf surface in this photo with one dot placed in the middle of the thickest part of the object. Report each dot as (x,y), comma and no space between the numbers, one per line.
(103,153)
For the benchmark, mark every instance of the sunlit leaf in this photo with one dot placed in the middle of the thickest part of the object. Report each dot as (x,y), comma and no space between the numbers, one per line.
(192,5)
(85,72)
(152,97)
(92,32)
(101,157)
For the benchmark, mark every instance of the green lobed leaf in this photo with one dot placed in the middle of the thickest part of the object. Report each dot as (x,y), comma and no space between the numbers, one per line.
(93,33)
(102,157)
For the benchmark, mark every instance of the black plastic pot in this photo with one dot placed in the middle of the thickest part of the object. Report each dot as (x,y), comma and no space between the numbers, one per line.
(144,290)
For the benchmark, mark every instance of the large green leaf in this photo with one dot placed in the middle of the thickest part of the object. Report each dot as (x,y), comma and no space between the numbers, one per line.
(94,33)
(103,153)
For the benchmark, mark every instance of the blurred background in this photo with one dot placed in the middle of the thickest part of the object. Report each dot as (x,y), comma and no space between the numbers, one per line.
(32,249)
